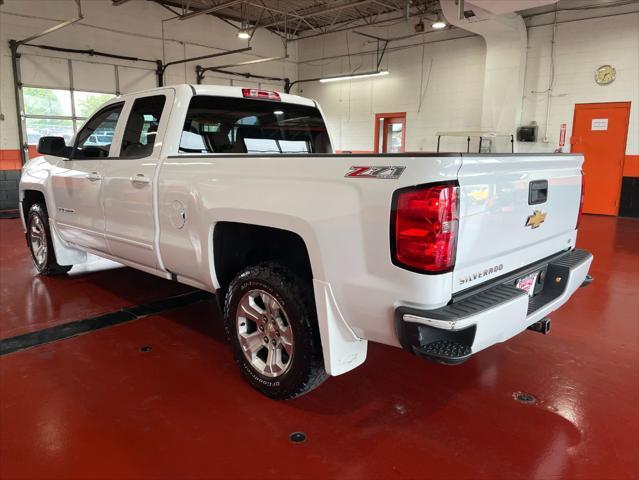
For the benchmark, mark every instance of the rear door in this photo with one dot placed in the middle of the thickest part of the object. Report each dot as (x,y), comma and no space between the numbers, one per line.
(128,179)
(514,210)
(77,182)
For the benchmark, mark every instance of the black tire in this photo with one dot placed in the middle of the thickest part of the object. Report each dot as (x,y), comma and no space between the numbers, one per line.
(306,370)
(46,263)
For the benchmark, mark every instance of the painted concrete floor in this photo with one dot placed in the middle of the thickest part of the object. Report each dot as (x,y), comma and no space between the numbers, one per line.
(98,406)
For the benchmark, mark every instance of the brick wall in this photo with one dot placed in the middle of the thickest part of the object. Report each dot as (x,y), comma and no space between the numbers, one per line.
(9,189)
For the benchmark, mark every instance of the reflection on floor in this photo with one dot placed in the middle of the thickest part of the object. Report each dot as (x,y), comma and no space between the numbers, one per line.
(31,302)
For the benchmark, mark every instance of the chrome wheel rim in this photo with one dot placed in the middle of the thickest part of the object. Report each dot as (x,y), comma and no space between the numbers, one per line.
(38,239)
(264,333)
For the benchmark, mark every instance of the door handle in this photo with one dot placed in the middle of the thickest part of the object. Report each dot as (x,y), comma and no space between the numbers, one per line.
(140,179)
(94,177)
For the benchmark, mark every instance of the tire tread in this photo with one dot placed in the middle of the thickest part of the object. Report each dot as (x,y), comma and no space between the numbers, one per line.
(284,279)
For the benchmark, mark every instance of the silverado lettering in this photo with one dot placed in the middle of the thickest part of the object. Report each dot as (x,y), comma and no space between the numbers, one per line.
(484,273)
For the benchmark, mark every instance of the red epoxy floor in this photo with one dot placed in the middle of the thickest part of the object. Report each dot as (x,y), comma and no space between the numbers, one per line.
(29,302)
(96,407)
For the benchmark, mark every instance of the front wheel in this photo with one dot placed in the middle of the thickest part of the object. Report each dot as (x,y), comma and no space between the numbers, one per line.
(271,324)
(40,243)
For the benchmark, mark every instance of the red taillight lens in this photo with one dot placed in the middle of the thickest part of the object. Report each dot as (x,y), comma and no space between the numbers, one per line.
(261,94)
(581,202)
(424,228)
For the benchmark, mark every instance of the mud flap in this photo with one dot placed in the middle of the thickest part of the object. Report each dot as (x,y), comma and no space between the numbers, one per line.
(342,349)
(65,254)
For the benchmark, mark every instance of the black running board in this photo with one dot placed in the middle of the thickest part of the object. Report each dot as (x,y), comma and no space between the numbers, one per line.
(444,352)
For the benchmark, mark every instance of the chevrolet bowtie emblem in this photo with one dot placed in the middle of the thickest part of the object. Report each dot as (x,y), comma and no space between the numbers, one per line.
(536,219)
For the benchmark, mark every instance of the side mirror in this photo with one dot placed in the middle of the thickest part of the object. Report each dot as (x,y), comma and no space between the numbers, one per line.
(53,146)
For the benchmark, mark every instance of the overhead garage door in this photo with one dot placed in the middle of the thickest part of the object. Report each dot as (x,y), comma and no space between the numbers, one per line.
(58,94)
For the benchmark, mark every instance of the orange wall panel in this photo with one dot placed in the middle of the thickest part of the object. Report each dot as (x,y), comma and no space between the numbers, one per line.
(10,160)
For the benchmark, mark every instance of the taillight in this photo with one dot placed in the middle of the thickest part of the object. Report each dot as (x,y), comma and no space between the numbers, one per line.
(424,223)
(581,201)
(261,94)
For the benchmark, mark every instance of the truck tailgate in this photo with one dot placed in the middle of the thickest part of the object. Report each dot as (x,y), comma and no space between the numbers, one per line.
(501,228)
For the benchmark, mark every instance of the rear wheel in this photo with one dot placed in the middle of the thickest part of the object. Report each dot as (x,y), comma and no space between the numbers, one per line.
(40,244)
(271,324)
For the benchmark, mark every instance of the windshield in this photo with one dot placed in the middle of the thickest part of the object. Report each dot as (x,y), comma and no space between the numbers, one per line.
(242,125)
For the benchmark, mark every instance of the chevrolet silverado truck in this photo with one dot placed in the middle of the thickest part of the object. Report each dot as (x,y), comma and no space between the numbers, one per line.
(312,254)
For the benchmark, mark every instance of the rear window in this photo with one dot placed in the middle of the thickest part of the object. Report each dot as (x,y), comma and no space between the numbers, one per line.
(240,125)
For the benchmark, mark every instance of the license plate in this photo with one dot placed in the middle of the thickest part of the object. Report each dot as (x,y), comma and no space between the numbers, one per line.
(527,283)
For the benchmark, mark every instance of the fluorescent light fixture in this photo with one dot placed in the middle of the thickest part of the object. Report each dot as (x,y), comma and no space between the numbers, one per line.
(439,23)
(355,76)
(278,112)
(244,34)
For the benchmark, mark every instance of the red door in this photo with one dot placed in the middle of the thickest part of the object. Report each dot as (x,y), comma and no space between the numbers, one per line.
(390,132)
(599,131)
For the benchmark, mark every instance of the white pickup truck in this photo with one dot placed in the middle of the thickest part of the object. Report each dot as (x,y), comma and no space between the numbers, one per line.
(312,254)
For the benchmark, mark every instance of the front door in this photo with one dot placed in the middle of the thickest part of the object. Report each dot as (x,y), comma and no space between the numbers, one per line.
(599,132)
(129,180)
(77,182)
(390,132)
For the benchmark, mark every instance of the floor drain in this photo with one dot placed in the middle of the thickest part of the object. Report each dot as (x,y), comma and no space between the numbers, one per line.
(526,398)
(297,437)
(146,348)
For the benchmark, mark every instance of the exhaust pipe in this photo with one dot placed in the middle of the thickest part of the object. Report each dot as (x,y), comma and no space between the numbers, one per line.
(542,326)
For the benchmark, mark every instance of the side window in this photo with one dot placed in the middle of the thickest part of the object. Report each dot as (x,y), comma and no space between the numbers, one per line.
(142,126)
(95,138)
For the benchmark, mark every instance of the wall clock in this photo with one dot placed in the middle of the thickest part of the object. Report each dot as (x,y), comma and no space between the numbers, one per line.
(605,75)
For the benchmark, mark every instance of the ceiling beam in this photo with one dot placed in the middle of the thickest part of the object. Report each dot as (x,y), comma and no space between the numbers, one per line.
(324,11)
(220,6)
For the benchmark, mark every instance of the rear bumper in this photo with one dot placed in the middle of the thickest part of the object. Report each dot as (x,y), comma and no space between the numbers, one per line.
(495,313)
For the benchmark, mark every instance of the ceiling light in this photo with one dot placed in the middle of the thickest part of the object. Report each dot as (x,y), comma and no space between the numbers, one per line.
(355,76)
(278,112)
(439,23)
(244,34)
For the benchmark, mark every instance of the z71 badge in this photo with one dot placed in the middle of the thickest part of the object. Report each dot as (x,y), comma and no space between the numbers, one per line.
(391,173)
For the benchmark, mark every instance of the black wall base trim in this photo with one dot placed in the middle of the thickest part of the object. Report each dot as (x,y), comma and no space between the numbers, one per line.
(71,329)
(9,214)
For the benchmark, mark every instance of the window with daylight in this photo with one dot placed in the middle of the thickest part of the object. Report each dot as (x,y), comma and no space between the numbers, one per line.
(95,138)
(56,112)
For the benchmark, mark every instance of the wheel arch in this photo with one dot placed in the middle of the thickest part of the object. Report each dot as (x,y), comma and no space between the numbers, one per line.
(28,198)
(237,245)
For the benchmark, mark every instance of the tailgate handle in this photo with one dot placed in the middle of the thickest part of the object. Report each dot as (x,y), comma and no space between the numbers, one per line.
(538,192)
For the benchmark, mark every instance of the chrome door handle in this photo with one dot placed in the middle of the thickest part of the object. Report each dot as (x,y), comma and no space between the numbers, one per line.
(140,179)
(94,177)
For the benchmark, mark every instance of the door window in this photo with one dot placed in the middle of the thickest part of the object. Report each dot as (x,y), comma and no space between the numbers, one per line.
(394,137)
(95,138)
(141,128)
